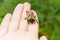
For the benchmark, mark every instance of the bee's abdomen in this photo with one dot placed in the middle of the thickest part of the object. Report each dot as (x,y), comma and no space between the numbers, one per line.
(31,21)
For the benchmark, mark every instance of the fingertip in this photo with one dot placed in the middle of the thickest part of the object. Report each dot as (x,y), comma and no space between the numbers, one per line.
(43,38)
(26,4)
(8,15)
(18,8)
(6,18)
(18,5)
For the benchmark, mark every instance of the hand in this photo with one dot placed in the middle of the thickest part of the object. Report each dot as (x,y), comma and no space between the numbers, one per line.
(15,27)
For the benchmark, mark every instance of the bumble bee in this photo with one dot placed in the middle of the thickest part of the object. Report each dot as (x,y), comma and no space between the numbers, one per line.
(31,18)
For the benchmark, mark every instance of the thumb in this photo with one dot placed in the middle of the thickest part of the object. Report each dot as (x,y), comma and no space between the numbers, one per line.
(43,38)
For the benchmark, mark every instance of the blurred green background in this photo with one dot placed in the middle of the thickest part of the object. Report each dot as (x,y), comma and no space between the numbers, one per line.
(48,12)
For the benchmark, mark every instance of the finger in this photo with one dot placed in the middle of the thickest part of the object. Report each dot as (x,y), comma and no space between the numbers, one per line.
(5,24)
(16,18)
(43,38)
(23,23)
(33,28)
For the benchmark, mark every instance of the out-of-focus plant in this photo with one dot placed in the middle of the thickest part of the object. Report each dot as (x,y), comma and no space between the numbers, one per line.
(48,12)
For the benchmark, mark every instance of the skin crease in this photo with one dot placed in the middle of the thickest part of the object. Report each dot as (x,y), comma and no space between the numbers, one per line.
(15,27)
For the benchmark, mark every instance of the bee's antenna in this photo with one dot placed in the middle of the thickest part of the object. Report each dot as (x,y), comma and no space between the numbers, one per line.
(27,12)
(32,13)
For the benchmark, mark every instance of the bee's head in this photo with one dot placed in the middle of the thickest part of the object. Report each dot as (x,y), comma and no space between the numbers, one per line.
(29,13)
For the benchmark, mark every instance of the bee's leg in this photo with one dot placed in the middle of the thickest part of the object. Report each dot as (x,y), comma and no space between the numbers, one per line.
(33,22)
(36,21)
(25,18)
(28,21)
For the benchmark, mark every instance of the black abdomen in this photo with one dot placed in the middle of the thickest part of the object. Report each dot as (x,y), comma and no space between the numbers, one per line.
(31,21)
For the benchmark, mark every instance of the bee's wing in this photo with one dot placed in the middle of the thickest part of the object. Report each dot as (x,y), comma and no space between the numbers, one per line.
(27,12)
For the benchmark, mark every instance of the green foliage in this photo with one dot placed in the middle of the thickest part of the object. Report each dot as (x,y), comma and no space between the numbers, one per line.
(48,12)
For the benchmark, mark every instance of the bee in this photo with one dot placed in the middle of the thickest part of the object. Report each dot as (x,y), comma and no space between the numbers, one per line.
(31,19)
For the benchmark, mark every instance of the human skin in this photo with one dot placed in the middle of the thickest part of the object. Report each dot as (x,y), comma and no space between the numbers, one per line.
(15,27)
